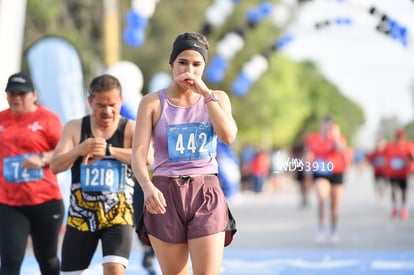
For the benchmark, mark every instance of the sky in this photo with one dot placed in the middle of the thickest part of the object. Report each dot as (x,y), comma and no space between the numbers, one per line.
(371,68)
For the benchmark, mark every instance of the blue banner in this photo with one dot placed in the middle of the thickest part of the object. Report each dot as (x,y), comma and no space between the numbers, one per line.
(56,70)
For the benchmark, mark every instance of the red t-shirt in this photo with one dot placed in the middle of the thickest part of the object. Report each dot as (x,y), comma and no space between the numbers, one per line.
(377,160)
(398,156)
(260,165)
(323,149)
(35,132)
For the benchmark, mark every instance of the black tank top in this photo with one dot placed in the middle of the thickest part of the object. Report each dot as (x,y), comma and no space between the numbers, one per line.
(117,140)
(92,211)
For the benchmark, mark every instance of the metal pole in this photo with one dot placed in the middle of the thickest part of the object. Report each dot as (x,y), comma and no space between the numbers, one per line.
(111,31)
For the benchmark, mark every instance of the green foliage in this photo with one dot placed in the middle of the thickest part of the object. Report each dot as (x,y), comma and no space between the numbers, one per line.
(289,98)
(78,21)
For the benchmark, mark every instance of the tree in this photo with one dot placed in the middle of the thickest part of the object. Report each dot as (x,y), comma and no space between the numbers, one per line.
(288,98)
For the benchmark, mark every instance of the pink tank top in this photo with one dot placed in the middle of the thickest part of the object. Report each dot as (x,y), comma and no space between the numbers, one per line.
(184,140)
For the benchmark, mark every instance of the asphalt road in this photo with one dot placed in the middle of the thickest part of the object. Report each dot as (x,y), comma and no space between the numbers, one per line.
(276,236)
(275,221)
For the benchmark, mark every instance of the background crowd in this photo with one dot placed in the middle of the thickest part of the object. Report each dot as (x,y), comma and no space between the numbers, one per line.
(269,170)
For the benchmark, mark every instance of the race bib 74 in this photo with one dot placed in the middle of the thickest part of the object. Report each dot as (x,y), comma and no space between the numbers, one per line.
(14,172)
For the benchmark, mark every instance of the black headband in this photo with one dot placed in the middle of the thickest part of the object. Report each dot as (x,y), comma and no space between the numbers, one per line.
(188,44)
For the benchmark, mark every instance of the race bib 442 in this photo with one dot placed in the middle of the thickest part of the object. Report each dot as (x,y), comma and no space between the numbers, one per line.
(191,141)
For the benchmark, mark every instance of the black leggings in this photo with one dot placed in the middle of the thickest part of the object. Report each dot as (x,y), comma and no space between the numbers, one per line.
(42,222)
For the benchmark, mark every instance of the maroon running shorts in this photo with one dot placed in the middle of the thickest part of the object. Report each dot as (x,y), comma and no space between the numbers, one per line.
(196,207)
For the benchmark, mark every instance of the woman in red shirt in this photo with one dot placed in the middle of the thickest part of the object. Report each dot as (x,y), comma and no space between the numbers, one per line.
(30,197)
(328,159)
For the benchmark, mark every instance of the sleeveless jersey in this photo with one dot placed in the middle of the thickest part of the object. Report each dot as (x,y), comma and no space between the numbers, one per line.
(184,140)
(20,136)
(95,203)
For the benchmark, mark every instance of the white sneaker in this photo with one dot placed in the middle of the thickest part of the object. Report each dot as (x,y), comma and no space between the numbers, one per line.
(320,237)
(334,238)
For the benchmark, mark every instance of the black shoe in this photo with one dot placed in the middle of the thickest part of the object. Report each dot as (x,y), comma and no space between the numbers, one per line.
(151,271)
(148,258)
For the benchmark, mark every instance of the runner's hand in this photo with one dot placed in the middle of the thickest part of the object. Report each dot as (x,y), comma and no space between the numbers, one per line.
(154,201)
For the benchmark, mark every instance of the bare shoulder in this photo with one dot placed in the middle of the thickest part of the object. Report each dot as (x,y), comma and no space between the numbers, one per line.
(71,132)
(150,99)
(149,106)
(129,133)
(221,94)
(73,125)
(130,126)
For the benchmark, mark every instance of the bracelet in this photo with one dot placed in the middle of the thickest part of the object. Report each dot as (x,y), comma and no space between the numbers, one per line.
(108,152)
(42,159)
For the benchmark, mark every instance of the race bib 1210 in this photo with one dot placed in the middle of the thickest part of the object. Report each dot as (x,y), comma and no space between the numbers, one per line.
(103,176)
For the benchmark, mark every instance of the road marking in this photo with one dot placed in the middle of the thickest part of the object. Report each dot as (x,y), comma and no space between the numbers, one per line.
(393,265)
(298,263)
